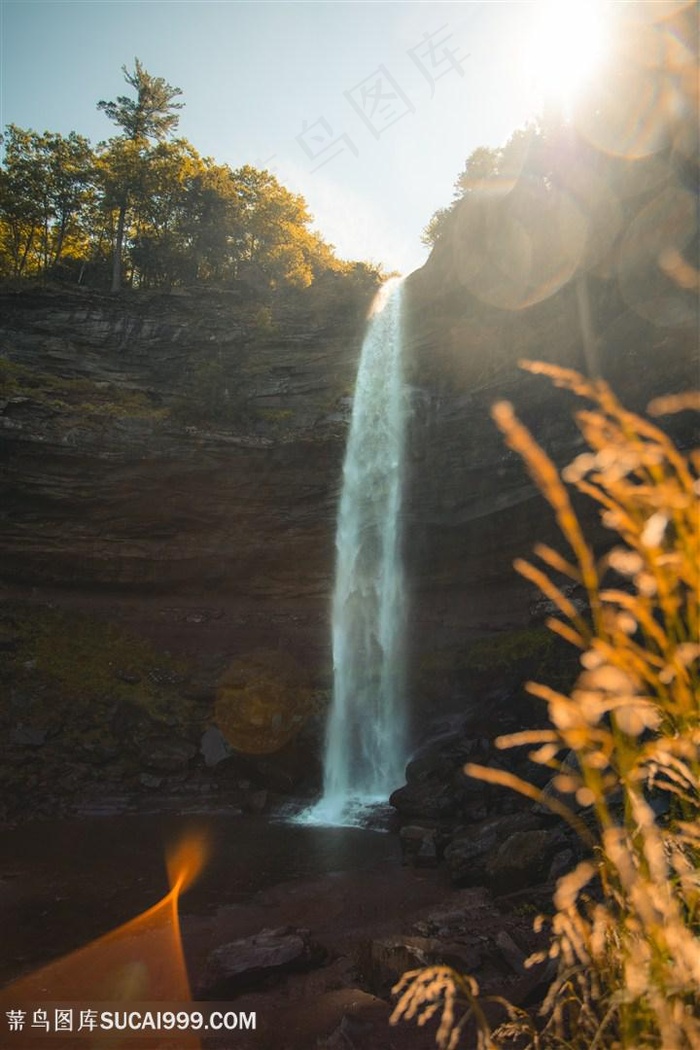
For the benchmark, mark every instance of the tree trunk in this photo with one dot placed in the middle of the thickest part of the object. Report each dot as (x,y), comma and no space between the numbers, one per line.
(117,259)
(59,243)
(21,263)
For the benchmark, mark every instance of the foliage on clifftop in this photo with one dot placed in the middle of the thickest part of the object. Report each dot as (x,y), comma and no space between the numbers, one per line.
(144,210)
(600,206)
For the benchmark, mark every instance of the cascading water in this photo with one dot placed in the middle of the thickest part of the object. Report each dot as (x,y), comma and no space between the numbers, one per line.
(365,742)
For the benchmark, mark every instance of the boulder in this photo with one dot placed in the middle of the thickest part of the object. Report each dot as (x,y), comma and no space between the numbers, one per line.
(522,860)
(130,722)
(390,957)
(466,855)
(152,783)
(255,801)
(563,862)
(28,736)
(214,747)
(430,801)
(364,1023)
(511,953)
(472,848)
(165,753)
(419,846)
(258,961)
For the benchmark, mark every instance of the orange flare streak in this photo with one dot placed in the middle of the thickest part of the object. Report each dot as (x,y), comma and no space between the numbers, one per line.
(140,961)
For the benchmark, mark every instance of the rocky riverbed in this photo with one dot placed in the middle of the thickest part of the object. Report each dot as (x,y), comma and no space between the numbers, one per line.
(308,927)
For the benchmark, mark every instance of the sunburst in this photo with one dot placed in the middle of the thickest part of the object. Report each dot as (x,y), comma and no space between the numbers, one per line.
(567,44)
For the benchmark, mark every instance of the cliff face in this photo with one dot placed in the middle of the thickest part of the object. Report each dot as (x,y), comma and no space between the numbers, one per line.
(172,462)
(179,450)
(470,507)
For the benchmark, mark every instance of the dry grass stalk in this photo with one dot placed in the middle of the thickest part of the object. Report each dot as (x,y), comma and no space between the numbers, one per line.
(626,923)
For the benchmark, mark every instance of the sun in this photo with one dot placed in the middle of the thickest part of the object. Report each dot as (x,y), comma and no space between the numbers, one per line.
(565,47)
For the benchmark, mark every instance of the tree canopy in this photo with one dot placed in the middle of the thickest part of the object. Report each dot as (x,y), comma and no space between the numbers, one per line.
(145,209)
(152,113)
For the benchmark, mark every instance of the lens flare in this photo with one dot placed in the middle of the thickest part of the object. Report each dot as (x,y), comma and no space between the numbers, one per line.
(566,46)
(142,960)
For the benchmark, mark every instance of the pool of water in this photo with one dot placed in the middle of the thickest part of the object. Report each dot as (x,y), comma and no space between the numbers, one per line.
(65,882)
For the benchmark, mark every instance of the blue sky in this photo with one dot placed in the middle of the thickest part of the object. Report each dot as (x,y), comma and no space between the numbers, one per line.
(367,109)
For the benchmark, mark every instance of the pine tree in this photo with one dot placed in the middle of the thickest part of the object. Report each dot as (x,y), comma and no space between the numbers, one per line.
(151,115)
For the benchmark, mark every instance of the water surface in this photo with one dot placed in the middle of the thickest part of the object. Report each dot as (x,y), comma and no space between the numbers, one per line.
(65,882)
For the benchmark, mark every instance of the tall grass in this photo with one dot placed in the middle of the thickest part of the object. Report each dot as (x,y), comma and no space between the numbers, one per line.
(623,747)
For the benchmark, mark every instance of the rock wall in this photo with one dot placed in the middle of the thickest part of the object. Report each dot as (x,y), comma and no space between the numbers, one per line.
(179,452)
(171,463)
(470,506)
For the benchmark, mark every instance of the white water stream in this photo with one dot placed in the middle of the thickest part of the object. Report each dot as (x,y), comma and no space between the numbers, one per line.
(366,734)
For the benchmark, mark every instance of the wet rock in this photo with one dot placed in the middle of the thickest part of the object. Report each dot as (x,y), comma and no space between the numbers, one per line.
(429,800)
(562,862)
(418,846)
(466,855)
(131,722)
(147,780)
(228,772)
(28,736)
(513,955)
(291,769)
(286,770)
(167,754)
(364,1023)
(214,747)
(438,789)
(258,961)
(439,759)
(390,957)
(255,801)
(522,860)
(469,853)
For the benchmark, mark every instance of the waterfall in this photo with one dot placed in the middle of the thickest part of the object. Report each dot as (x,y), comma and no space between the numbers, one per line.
(365,740)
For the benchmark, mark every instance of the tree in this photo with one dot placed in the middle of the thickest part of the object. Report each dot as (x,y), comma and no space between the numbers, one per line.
(44,183)
(69,171)
(151,115)
(161,251)
(21,182)
(481,166)
(436,227)
(212,222)
(273,237)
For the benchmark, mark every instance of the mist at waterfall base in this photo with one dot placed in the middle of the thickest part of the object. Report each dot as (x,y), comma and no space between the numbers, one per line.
(365,754)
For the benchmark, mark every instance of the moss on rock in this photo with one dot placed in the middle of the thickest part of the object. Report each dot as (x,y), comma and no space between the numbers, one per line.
(263,701)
